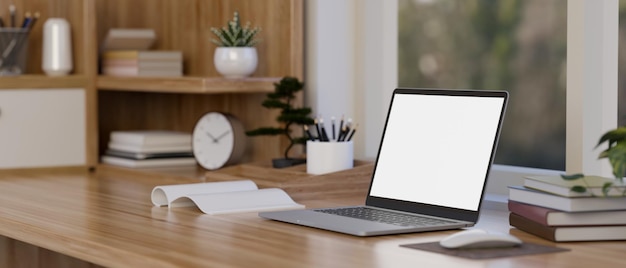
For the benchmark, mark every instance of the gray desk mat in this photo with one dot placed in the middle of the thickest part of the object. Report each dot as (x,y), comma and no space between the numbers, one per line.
(487,253)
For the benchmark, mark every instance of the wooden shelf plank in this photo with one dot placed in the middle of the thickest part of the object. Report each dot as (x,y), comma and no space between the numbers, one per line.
(200,85)
(42,81)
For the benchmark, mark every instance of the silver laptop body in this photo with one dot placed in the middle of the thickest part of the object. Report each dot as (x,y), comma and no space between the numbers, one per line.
(433,162)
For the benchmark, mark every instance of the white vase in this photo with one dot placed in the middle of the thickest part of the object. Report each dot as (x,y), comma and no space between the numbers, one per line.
(235,62)
(57,47)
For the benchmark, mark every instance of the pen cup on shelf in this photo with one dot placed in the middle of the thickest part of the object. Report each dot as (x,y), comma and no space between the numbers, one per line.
(327,157)
(13,47)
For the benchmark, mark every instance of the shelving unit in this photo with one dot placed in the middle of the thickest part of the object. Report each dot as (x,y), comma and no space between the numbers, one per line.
(126,103)
(122,103)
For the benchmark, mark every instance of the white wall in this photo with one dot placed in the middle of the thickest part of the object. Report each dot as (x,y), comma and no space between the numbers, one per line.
(347,43)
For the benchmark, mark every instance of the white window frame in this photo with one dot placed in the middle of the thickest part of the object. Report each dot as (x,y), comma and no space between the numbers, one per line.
(351,68)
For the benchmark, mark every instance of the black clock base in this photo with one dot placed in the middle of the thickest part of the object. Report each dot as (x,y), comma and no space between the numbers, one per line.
(287,162)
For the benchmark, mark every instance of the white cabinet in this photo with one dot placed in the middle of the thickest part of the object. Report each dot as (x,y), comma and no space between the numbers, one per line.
(42,128)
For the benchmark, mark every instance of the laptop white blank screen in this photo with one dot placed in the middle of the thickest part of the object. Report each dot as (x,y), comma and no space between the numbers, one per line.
(437,149)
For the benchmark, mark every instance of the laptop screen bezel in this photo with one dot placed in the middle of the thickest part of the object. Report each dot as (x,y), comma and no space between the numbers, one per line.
(429,209)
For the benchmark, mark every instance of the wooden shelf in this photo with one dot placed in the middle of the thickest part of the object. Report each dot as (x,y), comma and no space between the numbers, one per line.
(42,81)
(198,85)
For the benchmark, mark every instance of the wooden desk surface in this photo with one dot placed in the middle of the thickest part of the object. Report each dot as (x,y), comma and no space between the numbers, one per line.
(108,219)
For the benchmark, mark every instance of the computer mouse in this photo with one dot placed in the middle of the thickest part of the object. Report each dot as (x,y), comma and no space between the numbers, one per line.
(477,238)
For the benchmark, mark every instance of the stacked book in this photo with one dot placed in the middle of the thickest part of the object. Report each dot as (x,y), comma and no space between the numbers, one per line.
(142,63)
(546,207)
(149,148)
(127,52)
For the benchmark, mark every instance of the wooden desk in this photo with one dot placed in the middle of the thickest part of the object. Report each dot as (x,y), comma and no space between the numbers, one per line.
(77,219)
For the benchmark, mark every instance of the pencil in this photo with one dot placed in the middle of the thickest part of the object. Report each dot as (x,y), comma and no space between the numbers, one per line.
(324,134)
(340,129)
(345,130)
(317,128)
(341,133)
(332,122)
(308,133)
(352,133)
(27,19)
(12,14)
(32,21)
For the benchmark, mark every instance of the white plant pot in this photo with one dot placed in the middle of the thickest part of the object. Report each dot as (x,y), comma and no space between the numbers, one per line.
(235,62)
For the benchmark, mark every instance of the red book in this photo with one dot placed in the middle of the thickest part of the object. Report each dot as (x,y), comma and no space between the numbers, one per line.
(553,217)
(570,233)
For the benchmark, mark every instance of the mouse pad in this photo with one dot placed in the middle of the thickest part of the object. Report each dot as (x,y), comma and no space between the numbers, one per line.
(487,253)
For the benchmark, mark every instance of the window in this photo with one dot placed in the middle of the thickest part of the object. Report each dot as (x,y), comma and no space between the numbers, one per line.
(621,113)
(516,45)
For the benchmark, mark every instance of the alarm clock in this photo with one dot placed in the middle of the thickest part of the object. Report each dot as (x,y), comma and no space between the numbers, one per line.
(218,140)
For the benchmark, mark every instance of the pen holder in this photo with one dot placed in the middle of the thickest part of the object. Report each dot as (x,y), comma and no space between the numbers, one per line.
(13,47)
(327,157)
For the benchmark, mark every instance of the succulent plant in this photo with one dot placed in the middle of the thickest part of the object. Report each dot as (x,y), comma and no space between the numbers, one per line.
(233,35)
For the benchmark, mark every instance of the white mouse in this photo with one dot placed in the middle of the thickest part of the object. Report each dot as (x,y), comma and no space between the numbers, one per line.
(477,238)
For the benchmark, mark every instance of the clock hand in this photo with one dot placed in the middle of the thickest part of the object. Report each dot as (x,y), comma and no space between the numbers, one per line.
(211,136)
(222,135)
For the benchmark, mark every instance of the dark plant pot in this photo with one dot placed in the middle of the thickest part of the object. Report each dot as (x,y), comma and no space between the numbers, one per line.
(287,162)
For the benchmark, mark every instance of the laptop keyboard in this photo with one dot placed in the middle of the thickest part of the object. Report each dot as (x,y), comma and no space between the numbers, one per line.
(384,216)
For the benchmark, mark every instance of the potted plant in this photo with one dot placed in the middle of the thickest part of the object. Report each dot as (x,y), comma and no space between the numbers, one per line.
(616,154)
(236,55)
(281,98)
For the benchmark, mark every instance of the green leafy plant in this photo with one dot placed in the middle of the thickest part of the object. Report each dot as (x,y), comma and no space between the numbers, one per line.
(282,98)
(615,153)
(233,35)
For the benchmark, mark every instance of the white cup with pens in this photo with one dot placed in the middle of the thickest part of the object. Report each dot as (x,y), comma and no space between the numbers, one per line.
(332,152)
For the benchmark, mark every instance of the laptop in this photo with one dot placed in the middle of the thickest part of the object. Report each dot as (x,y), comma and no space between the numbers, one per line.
(431,170)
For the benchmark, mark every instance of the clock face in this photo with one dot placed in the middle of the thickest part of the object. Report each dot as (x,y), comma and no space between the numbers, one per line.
(213,140)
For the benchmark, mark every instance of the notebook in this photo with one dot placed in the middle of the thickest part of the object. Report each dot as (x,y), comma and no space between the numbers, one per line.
(433,162)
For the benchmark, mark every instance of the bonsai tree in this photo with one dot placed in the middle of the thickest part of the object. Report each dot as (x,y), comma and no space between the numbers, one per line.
(233,35)
(282,98)
(615,153)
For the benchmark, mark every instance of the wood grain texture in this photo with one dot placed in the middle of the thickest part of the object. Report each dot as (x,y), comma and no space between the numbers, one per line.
(107,219)
(119,110)
(185,26)
(177,103)
(193,85)
(34,81)
(299,184)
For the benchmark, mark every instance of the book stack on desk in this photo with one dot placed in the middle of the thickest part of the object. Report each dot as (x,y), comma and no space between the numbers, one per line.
(127,52)
(546,207)
(149,148)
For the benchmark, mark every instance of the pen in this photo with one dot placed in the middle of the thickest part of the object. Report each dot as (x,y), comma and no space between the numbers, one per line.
(332,122)
(317,128)
(340,128)
(324,134)
(27,19)
(33,20)
(12,14)
(346,129)
(352,133)
(308,133)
